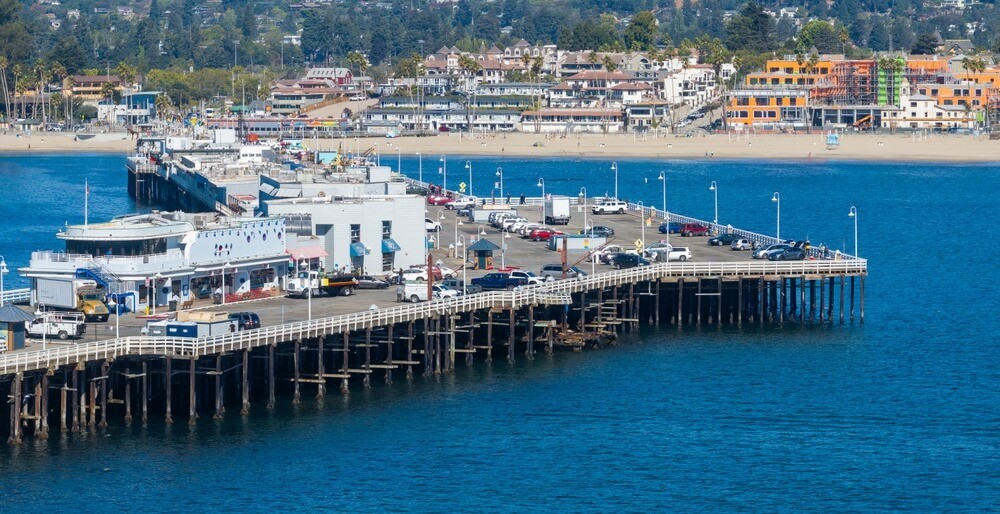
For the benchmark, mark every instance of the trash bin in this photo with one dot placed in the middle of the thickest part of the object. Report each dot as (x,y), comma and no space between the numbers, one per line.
(172,305)
(217,298)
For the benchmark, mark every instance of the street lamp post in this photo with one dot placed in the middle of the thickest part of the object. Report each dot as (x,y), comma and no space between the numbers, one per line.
(503,248)
(303,263)
(458,221)
(854,214)
(224,266)
(642,224)
(460,245)
(666,213)
(715,189)
(468,166)
(440,219)
(541,184)
(399,159)
(443,169)
(500,176)
(420,168)
(614,168)
(156,286)
(3,271)
(777,200)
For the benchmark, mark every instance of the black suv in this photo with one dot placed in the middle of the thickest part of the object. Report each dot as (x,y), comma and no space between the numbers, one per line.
(723,239)
(629,260)
(245,320)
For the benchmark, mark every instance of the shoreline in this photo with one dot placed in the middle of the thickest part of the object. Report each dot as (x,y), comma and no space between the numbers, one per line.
(936,148)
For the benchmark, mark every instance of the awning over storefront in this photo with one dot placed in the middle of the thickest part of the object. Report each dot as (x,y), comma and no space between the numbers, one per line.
(390,245)
(307,252)
(358,250)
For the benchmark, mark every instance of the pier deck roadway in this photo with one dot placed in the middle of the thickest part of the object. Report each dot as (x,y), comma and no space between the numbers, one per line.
(523,253)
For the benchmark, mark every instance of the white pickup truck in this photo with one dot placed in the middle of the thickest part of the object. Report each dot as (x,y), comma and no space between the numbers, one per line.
(610,207)
(62,325)
(418,292)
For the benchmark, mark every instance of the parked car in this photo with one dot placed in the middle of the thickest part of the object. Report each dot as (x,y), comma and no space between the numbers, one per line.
(439,200)
(788,254)
(723,239)
(461,203)
(599,255)
(461,287)
(680,253)
(543,234)
(673,227)
(694,229)
(609,258)
(555,271)
(763,251)
(432,225)
(610,207)
(497,280)
(599,231)
(741,244)
(530,277)
(370,282)
(245,320)
(629,260)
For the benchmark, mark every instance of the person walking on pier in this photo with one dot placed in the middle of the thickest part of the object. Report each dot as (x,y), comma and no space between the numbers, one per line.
(400,292)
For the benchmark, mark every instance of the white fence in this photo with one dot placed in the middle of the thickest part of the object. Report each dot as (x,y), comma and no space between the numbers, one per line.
(15,296)
(550,292)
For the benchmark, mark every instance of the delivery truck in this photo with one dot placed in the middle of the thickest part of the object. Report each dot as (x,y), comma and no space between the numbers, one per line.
(71,294)
(322,284)
(557,210)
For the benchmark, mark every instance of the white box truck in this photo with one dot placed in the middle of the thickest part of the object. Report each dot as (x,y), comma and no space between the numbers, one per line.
(72,294)
(557,210)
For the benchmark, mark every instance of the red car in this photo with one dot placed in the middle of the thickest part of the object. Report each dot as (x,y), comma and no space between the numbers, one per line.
(439,200)
(543,234)
(694,229)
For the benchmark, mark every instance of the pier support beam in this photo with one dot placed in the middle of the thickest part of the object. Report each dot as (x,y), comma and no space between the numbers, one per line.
(409,350)
(489,335)
(822,297)
(861,312)
(388,354)
(510,336)
(296,395)
(471,343)
(145,391)
(368,359)
(168,380)
(680,302)
(75,407)
(192,392)
(842,278)
(344,388)
(530,347)
(104,393)
(321,368)
(220,407)
(270,376)
(43,392)
(128,396)
(245,386)
(92,403)
(15,409)
(802,299)
(63,425)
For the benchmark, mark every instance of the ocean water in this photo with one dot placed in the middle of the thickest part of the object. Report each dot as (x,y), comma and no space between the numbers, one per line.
(900,413)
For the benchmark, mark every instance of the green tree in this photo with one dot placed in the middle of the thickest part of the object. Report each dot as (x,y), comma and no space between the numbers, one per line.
(640,34)
(752,30)
(820,34)
(926,44)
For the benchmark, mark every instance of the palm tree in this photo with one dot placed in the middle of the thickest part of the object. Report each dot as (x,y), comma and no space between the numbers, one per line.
(3,83)
(108,92)
(59,71)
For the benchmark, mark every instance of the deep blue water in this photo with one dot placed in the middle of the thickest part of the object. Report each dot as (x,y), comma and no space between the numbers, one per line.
(898,414)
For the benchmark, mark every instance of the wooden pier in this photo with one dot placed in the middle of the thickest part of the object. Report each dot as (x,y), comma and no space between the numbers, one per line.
(81,387)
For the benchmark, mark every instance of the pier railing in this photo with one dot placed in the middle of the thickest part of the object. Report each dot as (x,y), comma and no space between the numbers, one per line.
(542,294)
(15,296)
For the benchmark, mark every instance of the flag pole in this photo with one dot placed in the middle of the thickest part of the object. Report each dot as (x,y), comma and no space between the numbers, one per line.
(86,200)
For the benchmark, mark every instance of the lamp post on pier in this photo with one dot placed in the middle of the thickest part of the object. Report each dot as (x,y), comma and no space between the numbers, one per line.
(715,189)
(500,176)
(3,271)
(156,285)
(420,168)
(458,221)
(642,224)
(777,200)
(541,184)
(666,214)
(503,248)
(583,195)
(443,169)
(468,166)
(460,246)
(614,168)
(854,214)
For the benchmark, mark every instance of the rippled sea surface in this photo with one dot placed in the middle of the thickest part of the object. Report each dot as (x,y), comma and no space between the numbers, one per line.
(901,413)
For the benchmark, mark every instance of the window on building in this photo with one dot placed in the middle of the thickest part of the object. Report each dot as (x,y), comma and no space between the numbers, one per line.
(386,229)
(355,233)
(388,259)
(779,101)
(913,104)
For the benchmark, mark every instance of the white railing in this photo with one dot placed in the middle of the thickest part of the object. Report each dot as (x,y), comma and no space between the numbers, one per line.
(113,264)
(15,296)
(530,295)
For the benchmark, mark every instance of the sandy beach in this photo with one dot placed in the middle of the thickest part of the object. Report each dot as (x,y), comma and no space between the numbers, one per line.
(869,147)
